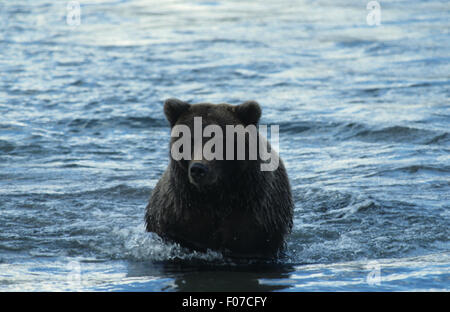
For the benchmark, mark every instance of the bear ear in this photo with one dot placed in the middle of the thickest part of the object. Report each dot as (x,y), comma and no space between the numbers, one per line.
(249,112)
(173,109)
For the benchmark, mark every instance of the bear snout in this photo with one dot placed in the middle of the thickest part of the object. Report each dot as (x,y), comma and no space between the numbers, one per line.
(198,172)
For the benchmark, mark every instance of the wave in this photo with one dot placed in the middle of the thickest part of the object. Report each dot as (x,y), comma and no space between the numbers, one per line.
(417,168)
(6,146)
(138,245)
(134,122)
(352,130)
(377,91)
(439,139)
(121,190)
(399,134)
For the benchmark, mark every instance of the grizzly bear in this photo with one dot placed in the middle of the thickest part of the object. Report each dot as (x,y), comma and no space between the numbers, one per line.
(231,206)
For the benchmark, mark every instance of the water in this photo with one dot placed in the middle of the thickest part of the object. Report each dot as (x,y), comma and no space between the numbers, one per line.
(364,120)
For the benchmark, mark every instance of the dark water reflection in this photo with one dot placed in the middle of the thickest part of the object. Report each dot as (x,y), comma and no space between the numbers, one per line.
(210,277)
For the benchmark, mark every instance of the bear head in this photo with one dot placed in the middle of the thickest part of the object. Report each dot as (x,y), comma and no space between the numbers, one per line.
(212,144)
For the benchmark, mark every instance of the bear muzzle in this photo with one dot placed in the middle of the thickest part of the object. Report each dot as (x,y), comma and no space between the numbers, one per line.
(199,173)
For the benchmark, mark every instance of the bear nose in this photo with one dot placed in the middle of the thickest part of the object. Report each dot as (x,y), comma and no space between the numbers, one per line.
(198,171)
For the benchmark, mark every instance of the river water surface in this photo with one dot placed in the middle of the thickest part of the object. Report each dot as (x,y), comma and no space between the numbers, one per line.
(364,117)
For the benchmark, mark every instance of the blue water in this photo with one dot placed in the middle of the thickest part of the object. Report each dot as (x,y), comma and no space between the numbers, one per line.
(364,117)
